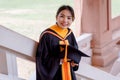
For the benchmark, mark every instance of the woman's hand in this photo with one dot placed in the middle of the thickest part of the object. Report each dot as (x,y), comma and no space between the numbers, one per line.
(62,60)
(73,64)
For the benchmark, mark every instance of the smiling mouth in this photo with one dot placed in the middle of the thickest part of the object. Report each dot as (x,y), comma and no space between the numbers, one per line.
(64,24)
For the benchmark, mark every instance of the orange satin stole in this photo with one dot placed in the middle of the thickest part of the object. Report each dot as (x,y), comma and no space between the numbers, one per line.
(66,73)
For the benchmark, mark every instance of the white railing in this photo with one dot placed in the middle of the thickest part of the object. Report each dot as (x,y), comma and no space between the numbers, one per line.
(14,45)
(88,72)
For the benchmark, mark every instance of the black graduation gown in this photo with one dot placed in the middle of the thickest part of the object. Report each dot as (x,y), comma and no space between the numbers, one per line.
(47,56)
(73,53)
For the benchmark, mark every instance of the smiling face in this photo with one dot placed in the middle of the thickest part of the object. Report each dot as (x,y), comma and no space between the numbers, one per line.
(64,19)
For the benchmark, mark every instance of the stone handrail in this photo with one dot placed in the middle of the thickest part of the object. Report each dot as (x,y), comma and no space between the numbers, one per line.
(91,73)
(13,44)
(115,25)
(18,43)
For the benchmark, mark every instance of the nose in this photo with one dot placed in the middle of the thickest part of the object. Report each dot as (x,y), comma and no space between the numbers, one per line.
(65,19)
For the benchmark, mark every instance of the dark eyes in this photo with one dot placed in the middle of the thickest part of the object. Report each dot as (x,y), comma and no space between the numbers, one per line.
(64,17)
(69,18)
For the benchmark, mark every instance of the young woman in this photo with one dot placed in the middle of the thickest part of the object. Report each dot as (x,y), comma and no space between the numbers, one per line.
(51,63)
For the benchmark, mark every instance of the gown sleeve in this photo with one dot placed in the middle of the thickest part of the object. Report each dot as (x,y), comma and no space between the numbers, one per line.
(46,64)
(74,44)
(77,53)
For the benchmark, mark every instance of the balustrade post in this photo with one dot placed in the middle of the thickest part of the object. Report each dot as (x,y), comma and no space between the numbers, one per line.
(12,65)
(3,61)
(8,66)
